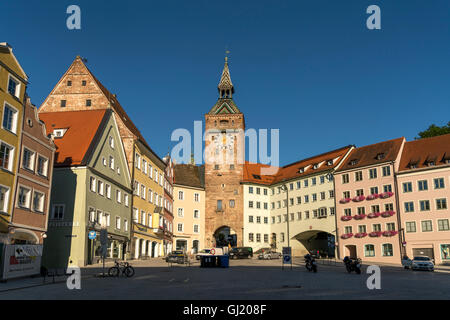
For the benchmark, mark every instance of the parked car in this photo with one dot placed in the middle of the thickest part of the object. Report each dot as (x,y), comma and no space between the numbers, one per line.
(261,250)
(269,254)
(204,252)
(422,263)
(241,252)
(406,262)
(177,256)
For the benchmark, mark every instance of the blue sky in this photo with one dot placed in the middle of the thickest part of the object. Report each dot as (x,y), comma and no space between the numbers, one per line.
(309,68)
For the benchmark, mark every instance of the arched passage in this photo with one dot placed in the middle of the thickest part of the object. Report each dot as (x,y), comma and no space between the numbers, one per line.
(224,236)
(318,241)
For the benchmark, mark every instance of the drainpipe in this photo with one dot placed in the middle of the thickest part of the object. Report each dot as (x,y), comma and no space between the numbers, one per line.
(397,203)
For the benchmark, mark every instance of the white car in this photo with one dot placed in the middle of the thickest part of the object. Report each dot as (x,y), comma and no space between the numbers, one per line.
(422,263)
(204,252)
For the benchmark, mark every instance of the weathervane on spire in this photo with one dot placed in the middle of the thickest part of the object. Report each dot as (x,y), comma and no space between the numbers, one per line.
(226,54)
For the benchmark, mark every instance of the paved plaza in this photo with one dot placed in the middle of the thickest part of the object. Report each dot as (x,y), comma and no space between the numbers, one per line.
(244,279)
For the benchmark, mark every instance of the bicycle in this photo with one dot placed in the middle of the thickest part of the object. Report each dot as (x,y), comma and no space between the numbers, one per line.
(121,267)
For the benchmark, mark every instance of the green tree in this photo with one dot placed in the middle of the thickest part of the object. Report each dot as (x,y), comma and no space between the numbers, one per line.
(434,131)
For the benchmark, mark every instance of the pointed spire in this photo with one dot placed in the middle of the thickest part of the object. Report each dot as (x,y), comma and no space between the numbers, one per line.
(225,86)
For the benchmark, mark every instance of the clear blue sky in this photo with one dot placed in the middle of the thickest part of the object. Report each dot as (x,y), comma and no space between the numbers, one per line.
(310,68)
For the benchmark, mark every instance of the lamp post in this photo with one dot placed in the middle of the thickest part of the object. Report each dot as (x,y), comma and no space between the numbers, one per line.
(285,188)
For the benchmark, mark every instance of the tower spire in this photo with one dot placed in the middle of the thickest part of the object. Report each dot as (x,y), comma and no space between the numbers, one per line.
(225,86)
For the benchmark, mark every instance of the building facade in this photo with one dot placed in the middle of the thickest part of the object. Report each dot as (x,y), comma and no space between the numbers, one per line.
(13,83)
(168,205)
(189,208)
(34,176)
(367,203)
(91,189)
(424,190)
(148,169)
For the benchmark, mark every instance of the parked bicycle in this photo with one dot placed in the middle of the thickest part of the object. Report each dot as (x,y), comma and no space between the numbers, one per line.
(121,267)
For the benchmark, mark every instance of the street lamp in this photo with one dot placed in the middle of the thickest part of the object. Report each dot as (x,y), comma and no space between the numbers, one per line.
(285,188)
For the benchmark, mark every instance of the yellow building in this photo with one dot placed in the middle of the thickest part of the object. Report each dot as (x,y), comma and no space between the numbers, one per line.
(148,195)
(13,82)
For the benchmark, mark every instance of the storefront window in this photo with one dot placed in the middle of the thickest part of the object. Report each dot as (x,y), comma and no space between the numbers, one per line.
(445,251)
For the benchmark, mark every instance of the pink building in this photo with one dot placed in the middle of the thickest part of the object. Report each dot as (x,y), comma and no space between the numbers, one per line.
(424,189)
(367,203)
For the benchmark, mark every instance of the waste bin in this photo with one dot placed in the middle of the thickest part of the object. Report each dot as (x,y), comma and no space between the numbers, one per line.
(224,261)
(207,261)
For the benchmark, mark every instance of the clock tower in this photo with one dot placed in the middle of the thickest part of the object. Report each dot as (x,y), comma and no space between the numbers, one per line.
(224,165)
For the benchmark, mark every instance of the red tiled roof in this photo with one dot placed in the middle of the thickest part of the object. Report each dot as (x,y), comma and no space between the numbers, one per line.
(368,155)
(81,126)
(417,152)
(253,173)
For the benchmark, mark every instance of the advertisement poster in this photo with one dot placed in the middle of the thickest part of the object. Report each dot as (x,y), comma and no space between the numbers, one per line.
(21,260)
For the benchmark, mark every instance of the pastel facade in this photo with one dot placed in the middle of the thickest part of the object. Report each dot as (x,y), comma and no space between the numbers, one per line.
(91,189)
(424,192)
(367,203)
(167,223)
(34,177)
(13,82)
(148,193)
(189,208)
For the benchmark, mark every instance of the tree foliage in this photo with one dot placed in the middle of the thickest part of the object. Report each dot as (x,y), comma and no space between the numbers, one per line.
(434,131)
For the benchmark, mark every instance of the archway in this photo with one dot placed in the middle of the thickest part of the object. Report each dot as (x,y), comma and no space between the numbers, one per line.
(318,242)
(225,236)
(350,251)
(195,246)
(24,236)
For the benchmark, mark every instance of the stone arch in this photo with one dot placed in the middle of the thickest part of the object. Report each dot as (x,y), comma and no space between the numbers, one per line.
(25,235)
(224,236)
(317,241)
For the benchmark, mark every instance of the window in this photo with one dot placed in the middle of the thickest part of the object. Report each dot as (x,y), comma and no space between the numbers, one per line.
(389,207)
(443,225)
(266,220)
(376,227)
(119,196)
(143,217)
(83,83)
(409,206)
(69,83)
(322,179)
(345,178)
(196,197)
(407,187)
(387,188)
(390,226)
(441,204)
(322,196)
(299,200)
(219,205)
(13,86)
(299,216)
(250,189)
(427,226)
(375,208)
(423,185)
(358,176)
(143,191)
(386,171)
(28,159)
(250,237)
(374,190)
(306,215)
(265,192)
(306,199)
(88,104)
(305,183)
(24,197)
(387,250)
(273,220)
(196,214)
(361,210)
(331,192)
(369,250)
(258,219)
(118,223)
(266,238)
(9,118)
(410,226)
(126,199)
(38,202)
(439,183)
(313,181)
(332,211)
(42,166)
(232,203)
(314,197)
(93,185)
(63,103)
(424,205)
(196,228)
(250,204)
(4,197)
(347,212)
(125,224)
(258,237)
(6,156)
(180,195)
(348,229)
(360,192)
(111,162)
(58,212)
(100,187)
(258,190)
(266,206)
(362,229)
(346,194)
(180,212)
(373,173)
(250,219)
(135,215)
(298,185)
(282,237)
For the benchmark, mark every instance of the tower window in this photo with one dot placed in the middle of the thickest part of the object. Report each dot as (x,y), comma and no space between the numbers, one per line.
(88,103)
(69,83)
(63,103)
(83,83)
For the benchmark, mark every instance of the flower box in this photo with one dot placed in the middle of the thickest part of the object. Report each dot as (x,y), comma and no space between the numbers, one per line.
(346,218)
(359,216)
(389,233)
(385,195)
(345,200)
(358,198)
(374,215)
(372,196)
(375,234)
(388,214)
(347,235)
(360,235)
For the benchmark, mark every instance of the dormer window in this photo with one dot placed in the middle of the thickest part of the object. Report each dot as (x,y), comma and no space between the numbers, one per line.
(353,162)
(257,176)
(329,162)
(59,133)
(380,156)
(315,166)
(431,163)
(301,170)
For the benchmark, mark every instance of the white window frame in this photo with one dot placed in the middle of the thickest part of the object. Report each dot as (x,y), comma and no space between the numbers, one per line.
(6,200)
(45,174)
(18,86)
(29,197)
(42,202)
(11,156)
(15,118)
(53,211)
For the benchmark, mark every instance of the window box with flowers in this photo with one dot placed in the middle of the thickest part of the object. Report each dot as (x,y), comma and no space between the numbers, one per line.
(345,200)
(347,235)
(359,216)
(386,195)
(361,235)
(358,198)
(389,233)
(372,196)
(346,218)
(387,214)
(373,215)
(375,234)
